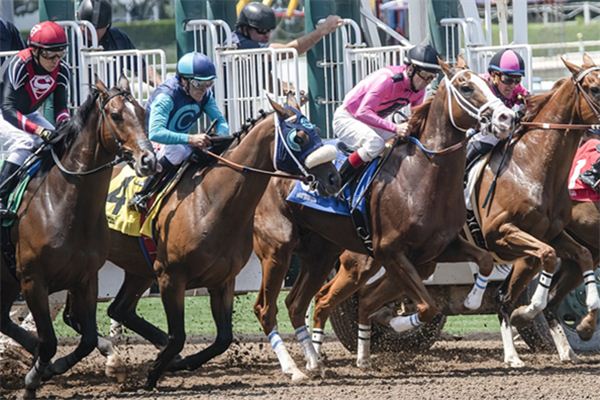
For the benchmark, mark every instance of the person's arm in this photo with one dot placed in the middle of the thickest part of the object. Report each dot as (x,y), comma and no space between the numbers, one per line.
(9,101)
(306,42)
(158,122)
(17,40)
(366,111)
(212,110)
(61,108)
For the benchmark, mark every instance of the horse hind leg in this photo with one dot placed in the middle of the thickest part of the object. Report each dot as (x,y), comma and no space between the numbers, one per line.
(221,305)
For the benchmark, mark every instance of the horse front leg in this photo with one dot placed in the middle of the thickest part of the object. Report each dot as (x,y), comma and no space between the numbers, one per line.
(8,294)
(461,250)
(355,270)
(172,292)
(83,308)
(275,257)
(221,306)
(317,259)
(568,248)
(36,295)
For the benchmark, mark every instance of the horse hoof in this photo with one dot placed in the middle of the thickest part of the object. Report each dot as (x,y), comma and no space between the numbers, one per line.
(515,363)
(520,318)
(586,328)
(364,364)
(298,376)
(115,368)
(29,394)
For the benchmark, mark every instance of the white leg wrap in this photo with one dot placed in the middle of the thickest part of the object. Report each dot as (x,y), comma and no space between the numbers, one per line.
(285,360)
(363,351)
(540,296)
(116,329)
(591,299)
(317,339)
(405,323)
(312,359)
(510,353)
(475,296)
(565,352)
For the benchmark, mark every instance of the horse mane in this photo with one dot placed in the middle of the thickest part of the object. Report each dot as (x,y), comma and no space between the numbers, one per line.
(418,118)
(537,102)
(71,129)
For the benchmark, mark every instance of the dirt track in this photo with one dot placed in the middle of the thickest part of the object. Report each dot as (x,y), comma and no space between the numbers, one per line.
(471,368)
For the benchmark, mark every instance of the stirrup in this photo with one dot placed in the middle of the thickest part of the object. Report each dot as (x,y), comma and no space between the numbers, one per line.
(7,214)
(139,203)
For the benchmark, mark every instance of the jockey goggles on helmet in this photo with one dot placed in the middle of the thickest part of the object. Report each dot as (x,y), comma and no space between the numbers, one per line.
(510,79)
(204,85)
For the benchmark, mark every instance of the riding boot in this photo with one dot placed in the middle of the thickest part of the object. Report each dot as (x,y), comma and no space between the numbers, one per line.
(351,168)
(476,150)
(6,187)
(152,185)
(591,177)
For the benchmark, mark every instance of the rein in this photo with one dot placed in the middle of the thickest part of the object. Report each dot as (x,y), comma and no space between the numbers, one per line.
(547,125)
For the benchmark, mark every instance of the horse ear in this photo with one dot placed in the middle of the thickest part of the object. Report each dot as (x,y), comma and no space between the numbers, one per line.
(101,87)
(460,62)
(291,101)
(445,68)
(588,61)
(575,69)
(279,109)
(124,83)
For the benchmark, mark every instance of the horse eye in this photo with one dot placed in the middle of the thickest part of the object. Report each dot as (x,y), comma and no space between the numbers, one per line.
(116,116)
(595,90)
(466,89)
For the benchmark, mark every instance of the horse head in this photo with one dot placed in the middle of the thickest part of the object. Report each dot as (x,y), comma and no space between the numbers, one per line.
(122,127)
(300,150)
(587,83)
(471,99)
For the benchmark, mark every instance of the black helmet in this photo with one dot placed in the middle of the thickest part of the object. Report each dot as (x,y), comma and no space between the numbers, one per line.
(257,15)
(98,12)
(424,57)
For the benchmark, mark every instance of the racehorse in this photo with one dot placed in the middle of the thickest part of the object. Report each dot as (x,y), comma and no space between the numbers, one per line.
(530,208)
(417,209)
(61,234)
(203,233)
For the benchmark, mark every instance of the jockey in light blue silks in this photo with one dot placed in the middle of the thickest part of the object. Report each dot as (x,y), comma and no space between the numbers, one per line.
(173,110)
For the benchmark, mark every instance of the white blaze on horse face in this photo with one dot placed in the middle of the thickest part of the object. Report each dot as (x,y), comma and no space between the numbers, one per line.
(502,116)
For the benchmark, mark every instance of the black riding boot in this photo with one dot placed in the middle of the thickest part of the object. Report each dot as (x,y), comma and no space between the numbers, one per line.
(6,188)
(591,177)
(476,150)
(348,172)
(152,185)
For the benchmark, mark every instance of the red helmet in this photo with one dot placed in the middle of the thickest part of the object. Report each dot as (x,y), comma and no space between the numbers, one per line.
(47,35)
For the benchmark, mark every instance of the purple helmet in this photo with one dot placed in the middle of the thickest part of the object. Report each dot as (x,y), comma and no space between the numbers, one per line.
(507,62)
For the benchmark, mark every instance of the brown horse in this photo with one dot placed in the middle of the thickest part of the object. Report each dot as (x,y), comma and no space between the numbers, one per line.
(525,222)
(417,210)
(204,234)
(61,235)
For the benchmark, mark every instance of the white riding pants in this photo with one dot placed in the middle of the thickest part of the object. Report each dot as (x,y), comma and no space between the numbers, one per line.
(17,143)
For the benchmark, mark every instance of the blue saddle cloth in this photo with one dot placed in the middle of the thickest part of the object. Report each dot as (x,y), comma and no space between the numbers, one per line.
(353,194)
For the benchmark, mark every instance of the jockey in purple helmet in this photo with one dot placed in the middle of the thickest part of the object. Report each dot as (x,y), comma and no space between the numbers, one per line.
(505,71)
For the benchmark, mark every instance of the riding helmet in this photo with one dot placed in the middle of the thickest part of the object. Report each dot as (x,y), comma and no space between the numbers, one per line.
(196,66)
(424,57)
(98,12)
(508,62)
(257,15)
(47,35)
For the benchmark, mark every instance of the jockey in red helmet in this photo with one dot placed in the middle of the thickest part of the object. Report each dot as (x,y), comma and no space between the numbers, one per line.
(32,75)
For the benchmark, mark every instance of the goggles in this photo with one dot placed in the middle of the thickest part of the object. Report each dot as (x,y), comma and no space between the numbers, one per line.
(204,85)
(262,31)
(53,55)
(426,76)
(510,79)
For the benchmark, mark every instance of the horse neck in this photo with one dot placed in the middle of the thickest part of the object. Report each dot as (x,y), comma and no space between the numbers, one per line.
(438,131)
(84,154)
(559,146)
(227,186)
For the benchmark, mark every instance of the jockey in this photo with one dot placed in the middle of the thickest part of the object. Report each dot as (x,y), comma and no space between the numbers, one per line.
(591,177)
(256,22)
(10,39)
(505,71)
(99,13)
(32,75)
(360,121)
(172,112)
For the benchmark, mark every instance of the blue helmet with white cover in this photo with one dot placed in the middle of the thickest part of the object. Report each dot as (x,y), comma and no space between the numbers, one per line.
(196,66)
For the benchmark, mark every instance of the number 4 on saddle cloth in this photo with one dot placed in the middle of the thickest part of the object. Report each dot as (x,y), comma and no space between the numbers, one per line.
(126,184)
(353,202)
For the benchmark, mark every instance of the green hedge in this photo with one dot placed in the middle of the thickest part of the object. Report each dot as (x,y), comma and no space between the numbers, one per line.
(150,34)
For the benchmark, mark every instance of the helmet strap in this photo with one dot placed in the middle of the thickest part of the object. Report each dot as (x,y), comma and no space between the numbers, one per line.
(411,72)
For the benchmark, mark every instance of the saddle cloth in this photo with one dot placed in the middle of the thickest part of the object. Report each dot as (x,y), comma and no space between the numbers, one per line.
(586,155)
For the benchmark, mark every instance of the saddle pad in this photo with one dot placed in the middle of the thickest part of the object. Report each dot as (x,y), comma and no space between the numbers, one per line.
(586,155)
(16,196)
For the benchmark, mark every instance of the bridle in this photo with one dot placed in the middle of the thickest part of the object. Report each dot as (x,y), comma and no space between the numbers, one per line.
(109,141)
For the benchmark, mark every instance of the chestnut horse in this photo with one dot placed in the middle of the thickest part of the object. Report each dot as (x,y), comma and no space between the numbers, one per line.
(530,208)
(204,234)
(61,234)
(417,209)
